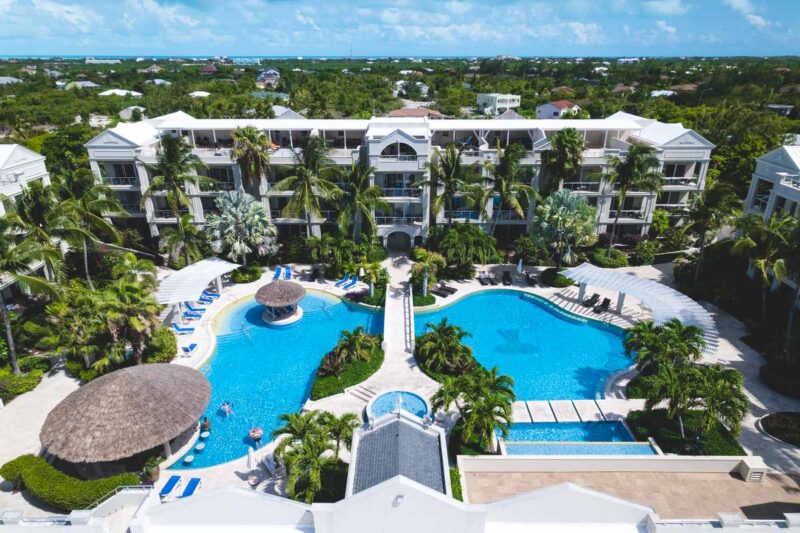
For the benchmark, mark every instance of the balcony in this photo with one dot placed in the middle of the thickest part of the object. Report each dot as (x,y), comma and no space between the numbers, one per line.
(582,186)
(406,192)
(507,214)
(759,204)
(123,181)
(679,181)
(167,213)
(791,180)
(133,208)
(465,214)
(634,214)
(399,221)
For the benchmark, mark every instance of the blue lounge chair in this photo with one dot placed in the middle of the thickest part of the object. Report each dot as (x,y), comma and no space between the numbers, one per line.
(208,294)
(353,281)
(278,272)
(342,281)
(187,315)
(172,483)
(189,350)
(191,487)
(287,272)
(181,329)
(194,309)
(205,301)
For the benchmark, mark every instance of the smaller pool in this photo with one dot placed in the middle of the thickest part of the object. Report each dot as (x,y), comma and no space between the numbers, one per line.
(569,432)
(390,401)
(579,448)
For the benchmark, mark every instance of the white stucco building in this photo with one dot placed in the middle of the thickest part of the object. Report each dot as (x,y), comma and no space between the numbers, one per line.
(496,103)
(775,186)
(556,109)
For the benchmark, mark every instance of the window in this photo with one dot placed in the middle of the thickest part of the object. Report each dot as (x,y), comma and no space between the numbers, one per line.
(124,170)
(675,170)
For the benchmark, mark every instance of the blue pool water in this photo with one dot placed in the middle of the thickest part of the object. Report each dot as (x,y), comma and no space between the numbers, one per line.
(267,371)
(550,354)
(569,432)
(388,401)
(579,448)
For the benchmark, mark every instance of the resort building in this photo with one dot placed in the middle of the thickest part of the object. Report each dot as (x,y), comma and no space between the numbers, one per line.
(775,186)
(400,150)
(556,109)
(495,103)
(270,77)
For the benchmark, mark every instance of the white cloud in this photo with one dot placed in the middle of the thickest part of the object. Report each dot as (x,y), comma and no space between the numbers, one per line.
(747,10)
(306,20)
(5,6)
(169,16)
(587,33)
(666,7)
(666,28)
(458,8)
(757,20)
(80,18)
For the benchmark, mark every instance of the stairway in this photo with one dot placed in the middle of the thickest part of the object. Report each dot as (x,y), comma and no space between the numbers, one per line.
(362,392)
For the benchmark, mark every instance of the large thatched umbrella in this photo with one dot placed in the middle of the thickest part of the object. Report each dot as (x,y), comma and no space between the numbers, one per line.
(126,412)
(280,293)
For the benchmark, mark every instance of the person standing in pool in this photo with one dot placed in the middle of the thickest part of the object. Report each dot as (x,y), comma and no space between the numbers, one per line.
(206,425)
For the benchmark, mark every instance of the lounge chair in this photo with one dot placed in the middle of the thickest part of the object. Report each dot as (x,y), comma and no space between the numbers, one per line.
(589,302)
(314,274)
(169,487)
(194,309)
(507,278)
(188,315)
(342,281)
(447,289)
(482,279)
(352,283)
(439,292)
(208,294)
(182,330)
(287,272)
(189,350)
(603,307)
(491,279)
(531,279)
(278,272)
(191,487)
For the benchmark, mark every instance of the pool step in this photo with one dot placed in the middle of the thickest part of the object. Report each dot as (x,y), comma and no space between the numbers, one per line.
(362,393)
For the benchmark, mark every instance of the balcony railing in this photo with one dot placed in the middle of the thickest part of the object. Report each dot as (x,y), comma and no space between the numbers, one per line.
(684,181)
(401,157)
(760,204)
(399,220)
(412,192)
(626,213)
(167,213)
(582,186)
(791,181)
(122,180)
(506,214)
(467,214)
(132,207)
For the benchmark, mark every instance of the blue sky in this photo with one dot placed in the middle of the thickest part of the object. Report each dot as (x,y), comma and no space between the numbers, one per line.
(400,27)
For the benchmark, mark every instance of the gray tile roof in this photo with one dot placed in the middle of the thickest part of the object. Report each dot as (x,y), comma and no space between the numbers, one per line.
(399,448)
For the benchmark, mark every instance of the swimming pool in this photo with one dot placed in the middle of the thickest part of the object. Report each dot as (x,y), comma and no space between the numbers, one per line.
(579,448)
(569,432)
(551,354)
(267,371)
(388,402)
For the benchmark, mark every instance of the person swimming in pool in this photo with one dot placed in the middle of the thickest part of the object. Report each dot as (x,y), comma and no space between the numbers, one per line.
(227,408)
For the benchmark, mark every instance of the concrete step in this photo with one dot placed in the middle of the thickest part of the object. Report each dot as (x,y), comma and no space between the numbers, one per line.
(362,392)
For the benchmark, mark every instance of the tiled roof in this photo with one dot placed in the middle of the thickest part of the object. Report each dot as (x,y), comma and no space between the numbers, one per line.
(562,104)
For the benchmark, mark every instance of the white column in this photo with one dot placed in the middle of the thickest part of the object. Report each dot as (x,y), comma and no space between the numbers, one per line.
(620,302)
(167,449)
(218,283)
(581,291)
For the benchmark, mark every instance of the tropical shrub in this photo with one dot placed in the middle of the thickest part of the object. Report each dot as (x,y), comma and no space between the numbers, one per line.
(12,385)
(421,300)
(660,222)
(779,378)
(644,253)
(162,348)
(246,274)
(674,239)
(33,362)
(455,483)
(432,263)
(55,488)
(242,227)
(564,222)
(655,424)
(463,246)
(613,258)
(551,277)
(440,351)
(531,251)
(334,381)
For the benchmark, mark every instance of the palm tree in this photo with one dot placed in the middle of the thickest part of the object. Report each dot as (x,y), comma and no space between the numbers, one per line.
(448,172)
(564,221)
(765,244)
(427,264)
(131,269)
(176,167)
(478,197)
(309,183)
(356,345)
(305,464)
(18,254)
(359,200)
(242,227)
(132,315)
(295,429)
(441,349)
(723,398)
(340,429)
(562,162)
(185,240)
(792,259)
(448,394)
(251,148)
(511,181)
(372,271)
(639,171)
(41,219)
(676,386)
(709,211)
(671,344)
(87,204)
(486,414)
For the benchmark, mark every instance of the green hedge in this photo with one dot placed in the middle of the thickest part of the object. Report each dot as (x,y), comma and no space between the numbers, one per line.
(352,374)
(378,299)
(783,425)
(645,253)
(554,279)
(56,488)
(162,348)
(246,274)
(34,362)
(78,370)
(717,441)
(617,259)
(455,483)
(422,300)
(12,385)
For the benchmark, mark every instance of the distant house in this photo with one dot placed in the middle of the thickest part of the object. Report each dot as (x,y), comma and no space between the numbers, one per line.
(28,69)
(556,109)
(496,103)
(622,88)
(400,87)
(81,85)
(269,77)
(208,70)
(685,87)
(120,92)
(199,94)
(409,112)
(94,61)
(509,115)
(152,69)
(662,93)
(53,73)
(627,60)
(8,80)
(127,113)
(562,89)
(285,113)
(159,81)
(780,109)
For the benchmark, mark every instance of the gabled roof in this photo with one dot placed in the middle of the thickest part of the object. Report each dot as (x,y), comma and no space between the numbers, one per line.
(787,156)
(13,154)
(126,134)
(562,104)
(509,114)
(658,133)
(287,113)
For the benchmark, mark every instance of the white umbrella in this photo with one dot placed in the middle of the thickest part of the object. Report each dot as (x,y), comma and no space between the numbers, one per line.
(519,267)
(361,272)
(251,459)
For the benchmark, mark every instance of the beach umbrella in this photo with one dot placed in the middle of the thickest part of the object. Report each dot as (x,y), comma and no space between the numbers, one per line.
(519,267)
(251,458)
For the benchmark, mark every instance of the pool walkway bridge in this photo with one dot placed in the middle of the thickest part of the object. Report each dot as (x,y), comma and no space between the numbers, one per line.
(574,410)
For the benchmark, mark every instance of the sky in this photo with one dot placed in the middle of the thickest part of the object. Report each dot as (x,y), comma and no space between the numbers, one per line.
(435,28)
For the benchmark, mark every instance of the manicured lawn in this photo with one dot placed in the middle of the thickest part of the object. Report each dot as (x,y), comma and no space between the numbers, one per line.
(717,441)
(784,426)
(352,374)
(420,300)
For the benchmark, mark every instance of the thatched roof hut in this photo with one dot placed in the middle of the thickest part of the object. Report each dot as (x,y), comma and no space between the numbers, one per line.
(280,293)
(126,412)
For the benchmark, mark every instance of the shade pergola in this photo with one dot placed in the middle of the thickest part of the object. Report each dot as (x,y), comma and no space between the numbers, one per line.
(186,284)
(664,302)
(126,412)
(280,293)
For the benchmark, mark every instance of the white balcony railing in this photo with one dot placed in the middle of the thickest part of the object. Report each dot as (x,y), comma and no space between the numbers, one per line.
(383,221)
(123,180)
(582,186)
(411,192)
(683,181)
(466,214)
(791,181)
(626,213)
(398,157)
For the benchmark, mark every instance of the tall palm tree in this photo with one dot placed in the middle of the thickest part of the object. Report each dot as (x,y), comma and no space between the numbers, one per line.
(132,269)
(709,211)
(87,204)
(448,394)
(639,171)
(452,176)
(310,183)
(564,221)
(510,181)
(487,413)
(356,345)
(672,344)
(340,429)
(242,227)
(40,217)
(677,387)
(132,315)
(562,162)
(18,254)
(427,264)
(251,148)
(765,244)
(478,197)
(177,165)
(295,429)
(358,200)
(372,271)
(185,240)
(723,398)
(305,464)
(441,348)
